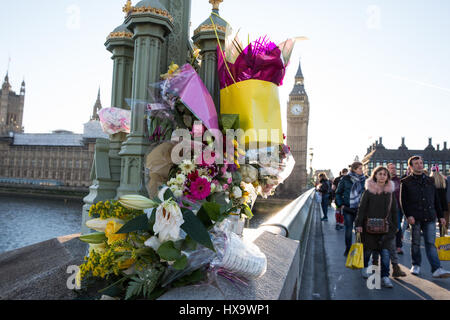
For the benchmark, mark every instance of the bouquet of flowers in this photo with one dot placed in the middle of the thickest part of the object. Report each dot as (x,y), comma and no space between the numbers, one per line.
(189,228)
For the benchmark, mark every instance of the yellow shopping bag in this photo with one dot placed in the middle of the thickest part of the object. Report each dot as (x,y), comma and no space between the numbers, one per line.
(355,258)
(257,103)
(443,246)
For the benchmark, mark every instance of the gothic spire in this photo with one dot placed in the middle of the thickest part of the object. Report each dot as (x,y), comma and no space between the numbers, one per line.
(299,74)
(97,107)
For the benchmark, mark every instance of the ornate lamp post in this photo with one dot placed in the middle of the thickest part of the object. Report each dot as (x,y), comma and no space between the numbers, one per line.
(151,23)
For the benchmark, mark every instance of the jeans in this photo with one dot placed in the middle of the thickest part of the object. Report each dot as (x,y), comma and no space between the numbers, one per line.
(349,219)
(429,236)
(385,260)
(325,203)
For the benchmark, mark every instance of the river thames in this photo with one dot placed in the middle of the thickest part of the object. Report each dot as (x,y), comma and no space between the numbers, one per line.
(29,220)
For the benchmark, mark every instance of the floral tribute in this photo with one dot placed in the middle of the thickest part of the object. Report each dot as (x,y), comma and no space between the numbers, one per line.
(188,229)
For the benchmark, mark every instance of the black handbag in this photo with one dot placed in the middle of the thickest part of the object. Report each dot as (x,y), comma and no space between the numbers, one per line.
(350,210)
(377,225)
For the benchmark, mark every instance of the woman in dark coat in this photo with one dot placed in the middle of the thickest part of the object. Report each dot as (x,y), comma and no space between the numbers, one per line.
(348,195)
(441,189)
(378,202)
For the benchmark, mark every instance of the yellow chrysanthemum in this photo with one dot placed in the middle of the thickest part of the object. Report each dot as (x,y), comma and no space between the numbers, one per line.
(111,228)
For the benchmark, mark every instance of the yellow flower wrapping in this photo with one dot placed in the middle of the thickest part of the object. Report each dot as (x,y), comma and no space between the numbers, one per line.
(258,104)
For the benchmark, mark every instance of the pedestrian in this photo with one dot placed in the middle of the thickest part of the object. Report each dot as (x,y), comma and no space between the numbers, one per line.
(339,215)
(397,242)
(420,204)
(396,180)
(348,195)
(441,188)
(378,202)
(324,187)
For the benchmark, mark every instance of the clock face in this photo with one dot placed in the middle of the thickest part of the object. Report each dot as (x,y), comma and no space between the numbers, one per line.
(296,110)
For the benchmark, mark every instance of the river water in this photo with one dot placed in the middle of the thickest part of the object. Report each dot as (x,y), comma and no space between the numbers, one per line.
(29,220)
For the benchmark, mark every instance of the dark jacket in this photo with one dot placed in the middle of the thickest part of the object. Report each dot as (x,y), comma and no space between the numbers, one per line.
(324,187)
(343,192)
(442,195)
(419,199)
(396,180)
(377,202)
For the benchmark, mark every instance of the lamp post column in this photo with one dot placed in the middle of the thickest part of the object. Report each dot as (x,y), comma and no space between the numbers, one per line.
(150,26)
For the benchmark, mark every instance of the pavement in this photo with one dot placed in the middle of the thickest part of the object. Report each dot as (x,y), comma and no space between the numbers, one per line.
(347,284)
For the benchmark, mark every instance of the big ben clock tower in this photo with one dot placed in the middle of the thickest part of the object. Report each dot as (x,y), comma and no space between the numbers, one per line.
(297,136)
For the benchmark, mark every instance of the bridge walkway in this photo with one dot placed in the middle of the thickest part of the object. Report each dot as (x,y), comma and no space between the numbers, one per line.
(347,284)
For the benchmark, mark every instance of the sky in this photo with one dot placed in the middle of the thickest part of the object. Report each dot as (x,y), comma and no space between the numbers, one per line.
(372,69)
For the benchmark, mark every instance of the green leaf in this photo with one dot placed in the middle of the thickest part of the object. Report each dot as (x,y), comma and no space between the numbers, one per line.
(134,289)
(212,209)
(220,199)
(168,252)
(152,221)
(230,121)
(181,263)
(137,224)
(193,278)
(196,230)
(189,244)
(202,215)
(168,194)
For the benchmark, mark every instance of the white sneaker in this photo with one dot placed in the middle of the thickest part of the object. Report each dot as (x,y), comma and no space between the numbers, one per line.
(386,282)
(415,270)
(441,273)
(364,273)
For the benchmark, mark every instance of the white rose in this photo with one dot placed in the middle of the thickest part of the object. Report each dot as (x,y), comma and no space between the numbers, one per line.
(213,187)
(172,182)
(169,220)
(178,193)
(153,243)
(237,192)
(181,179)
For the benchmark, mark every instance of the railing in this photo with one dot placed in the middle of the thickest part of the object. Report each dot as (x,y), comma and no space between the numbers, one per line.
(284,240)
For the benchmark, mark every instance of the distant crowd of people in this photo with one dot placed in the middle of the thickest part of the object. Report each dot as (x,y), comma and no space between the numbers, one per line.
(384,200)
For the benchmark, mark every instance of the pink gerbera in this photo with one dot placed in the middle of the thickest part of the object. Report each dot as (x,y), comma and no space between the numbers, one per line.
(200,189)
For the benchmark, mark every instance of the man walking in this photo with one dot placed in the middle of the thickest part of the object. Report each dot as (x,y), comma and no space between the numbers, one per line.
(339,214)
(420,204)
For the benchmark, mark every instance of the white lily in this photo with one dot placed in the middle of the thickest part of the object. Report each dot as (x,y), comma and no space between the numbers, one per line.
(169,220)
(137,202)
(100,224)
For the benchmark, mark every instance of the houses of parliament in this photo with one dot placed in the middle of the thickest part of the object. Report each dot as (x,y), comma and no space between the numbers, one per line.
(60,158)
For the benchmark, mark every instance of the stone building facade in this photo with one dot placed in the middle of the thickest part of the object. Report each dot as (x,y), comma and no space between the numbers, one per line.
(297,138)
(61,158)
(378,155)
